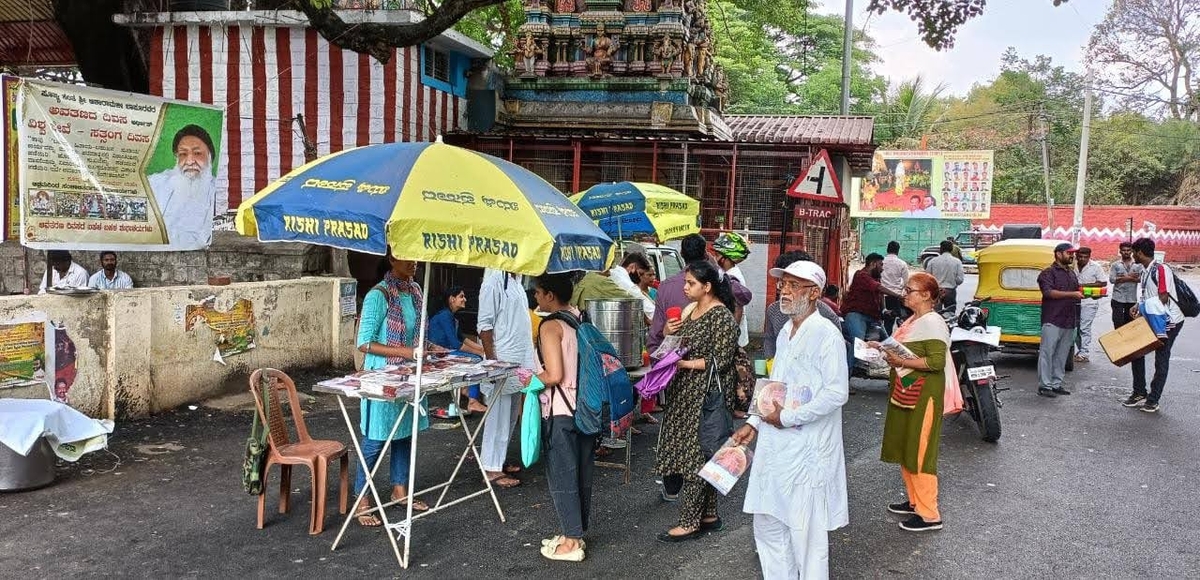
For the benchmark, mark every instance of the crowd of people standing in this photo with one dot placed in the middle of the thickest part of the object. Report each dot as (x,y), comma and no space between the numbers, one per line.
(796,488)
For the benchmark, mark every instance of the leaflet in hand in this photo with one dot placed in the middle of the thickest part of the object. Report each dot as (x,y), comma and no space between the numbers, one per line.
(670,343)
(727,465)
(866,353)
(770,395)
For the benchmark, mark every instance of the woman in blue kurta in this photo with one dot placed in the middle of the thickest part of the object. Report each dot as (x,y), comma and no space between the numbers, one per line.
(443,331)
(387,333)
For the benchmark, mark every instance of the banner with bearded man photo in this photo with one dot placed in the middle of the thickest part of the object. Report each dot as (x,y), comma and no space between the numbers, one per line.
(104,170)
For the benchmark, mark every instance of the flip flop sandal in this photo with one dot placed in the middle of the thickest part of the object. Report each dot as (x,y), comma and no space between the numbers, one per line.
(363,520)
(513,469)
(504,481)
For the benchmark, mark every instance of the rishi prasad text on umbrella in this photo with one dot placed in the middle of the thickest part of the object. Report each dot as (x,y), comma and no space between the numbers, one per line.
(326,227)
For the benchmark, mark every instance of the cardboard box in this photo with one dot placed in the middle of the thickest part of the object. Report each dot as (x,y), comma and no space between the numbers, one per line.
(1129,342)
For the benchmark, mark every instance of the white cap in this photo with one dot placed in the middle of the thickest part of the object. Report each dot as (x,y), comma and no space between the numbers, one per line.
(803,269)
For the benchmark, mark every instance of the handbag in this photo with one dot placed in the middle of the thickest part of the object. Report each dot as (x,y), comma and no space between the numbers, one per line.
(716,421)
(745,380)
(255,460)
(531,423)
(660,375)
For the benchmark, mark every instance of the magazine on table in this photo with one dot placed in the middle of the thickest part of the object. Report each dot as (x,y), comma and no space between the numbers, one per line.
(727,466)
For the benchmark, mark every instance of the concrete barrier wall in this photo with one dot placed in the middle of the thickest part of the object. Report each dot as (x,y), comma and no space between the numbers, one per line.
(136,357)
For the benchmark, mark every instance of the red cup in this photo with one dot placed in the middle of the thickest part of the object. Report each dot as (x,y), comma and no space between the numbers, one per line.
(674,313)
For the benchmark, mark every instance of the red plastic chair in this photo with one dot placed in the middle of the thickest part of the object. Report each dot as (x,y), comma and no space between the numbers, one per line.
(314,453)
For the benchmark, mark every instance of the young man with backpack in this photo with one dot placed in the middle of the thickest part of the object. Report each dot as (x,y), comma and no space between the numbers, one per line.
(1158,283)
(581,374)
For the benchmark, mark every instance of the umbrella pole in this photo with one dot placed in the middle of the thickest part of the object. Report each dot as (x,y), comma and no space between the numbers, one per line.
(419,352)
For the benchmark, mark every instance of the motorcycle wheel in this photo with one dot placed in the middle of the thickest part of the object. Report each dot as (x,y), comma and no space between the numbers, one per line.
(987,414)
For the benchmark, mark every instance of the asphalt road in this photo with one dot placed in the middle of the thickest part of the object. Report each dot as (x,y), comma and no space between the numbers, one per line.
(1077,487)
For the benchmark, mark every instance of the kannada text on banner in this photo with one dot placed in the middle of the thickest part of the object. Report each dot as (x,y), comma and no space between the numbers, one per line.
(8,165)
(106,170)
(926,184)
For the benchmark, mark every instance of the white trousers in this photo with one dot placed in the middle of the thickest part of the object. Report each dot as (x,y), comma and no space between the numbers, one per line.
(786,553)
(498,429)
(1087,315)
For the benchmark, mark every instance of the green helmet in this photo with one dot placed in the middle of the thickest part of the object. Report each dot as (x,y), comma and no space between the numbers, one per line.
(732,246)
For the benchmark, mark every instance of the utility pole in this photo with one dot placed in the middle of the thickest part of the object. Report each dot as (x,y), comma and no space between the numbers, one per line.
(847,46)
(1046,167)
(1081,176)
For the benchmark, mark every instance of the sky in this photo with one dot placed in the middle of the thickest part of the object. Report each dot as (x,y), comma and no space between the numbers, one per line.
(1032,26)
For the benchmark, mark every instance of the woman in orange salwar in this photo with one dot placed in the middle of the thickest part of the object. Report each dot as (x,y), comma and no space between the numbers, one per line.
(914,414)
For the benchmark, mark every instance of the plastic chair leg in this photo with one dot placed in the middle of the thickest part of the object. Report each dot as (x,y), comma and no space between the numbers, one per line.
(344,484)
(319,492)
(285,488)
(262,504)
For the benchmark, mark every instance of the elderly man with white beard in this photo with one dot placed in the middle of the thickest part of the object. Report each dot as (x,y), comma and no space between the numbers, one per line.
(797,487)
(185,193)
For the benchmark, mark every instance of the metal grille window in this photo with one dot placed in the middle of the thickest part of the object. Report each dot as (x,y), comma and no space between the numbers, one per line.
(437,64)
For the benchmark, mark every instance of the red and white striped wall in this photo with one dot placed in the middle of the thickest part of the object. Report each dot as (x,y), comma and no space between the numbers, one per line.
(266,75)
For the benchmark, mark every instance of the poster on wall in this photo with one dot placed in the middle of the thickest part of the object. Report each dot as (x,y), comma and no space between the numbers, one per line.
(925,184)
(8,164)
(101,169)
(234,328)
(26,352)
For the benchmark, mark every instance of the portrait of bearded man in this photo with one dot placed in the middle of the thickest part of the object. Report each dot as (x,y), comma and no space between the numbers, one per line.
(185,193)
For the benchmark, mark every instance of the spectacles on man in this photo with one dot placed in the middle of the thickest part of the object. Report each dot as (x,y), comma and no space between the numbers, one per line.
(795,285)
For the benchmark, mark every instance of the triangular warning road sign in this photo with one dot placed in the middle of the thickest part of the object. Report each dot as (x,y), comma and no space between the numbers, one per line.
(819,181)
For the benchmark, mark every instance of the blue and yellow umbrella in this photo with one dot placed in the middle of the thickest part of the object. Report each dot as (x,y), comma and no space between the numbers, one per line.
(430,202)
(626,209)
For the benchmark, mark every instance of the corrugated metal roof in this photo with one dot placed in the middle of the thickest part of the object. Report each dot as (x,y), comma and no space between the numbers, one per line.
(25,10)
(825,130)
(34,44)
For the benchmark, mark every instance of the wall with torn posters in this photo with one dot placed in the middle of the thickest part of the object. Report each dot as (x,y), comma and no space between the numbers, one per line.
(148,350)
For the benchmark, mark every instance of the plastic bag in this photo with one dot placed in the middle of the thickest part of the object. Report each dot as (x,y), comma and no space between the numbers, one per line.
(531,423)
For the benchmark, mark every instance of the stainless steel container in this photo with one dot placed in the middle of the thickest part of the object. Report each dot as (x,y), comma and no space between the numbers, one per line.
(19,472)
(621,321)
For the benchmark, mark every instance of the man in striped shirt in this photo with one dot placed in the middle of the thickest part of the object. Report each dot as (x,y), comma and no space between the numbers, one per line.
(109,277)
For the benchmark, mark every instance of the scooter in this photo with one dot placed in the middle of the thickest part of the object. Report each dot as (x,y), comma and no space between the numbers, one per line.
(976,373)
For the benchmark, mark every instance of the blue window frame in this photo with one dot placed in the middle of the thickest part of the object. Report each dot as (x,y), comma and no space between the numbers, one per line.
(444,70)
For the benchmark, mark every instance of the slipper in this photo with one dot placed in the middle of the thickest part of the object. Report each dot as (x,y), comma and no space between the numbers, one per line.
(556,540)
(575,555)
(504,482)
(511,469)
(368,520)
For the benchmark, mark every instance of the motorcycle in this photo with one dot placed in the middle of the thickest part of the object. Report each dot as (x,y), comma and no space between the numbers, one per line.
(976,373)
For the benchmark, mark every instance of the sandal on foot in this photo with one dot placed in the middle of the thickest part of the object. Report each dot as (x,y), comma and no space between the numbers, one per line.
(512,469)
(556,540)
(418,505)
(575,555)
(368,520)
(504,482)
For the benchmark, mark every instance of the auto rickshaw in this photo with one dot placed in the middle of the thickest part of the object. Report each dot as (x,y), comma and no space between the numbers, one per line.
(1008,287)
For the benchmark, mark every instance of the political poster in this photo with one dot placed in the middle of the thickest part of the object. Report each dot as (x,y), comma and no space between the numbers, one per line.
(234,329)
(26,352)
(925,184)
(104,170)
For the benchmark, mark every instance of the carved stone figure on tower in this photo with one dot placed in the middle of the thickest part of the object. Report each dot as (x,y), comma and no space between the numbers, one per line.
(667,50)
(603,47)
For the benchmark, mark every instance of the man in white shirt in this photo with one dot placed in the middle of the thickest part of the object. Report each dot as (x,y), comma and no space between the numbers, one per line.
(109,277)
(632,268)
(732,249)
(507,335)
(894,277)
(797,485)
(66,273)
(1158,283)
(1091,275)
(949,273)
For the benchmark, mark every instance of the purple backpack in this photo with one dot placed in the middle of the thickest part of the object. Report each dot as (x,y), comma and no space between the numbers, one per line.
(660,375)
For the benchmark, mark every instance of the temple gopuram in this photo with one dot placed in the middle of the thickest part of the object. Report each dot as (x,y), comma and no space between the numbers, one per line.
(615,90)
(636,64)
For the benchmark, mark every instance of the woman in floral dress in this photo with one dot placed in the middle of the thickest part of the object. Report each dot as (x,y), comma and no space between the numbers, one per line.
(710,333)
